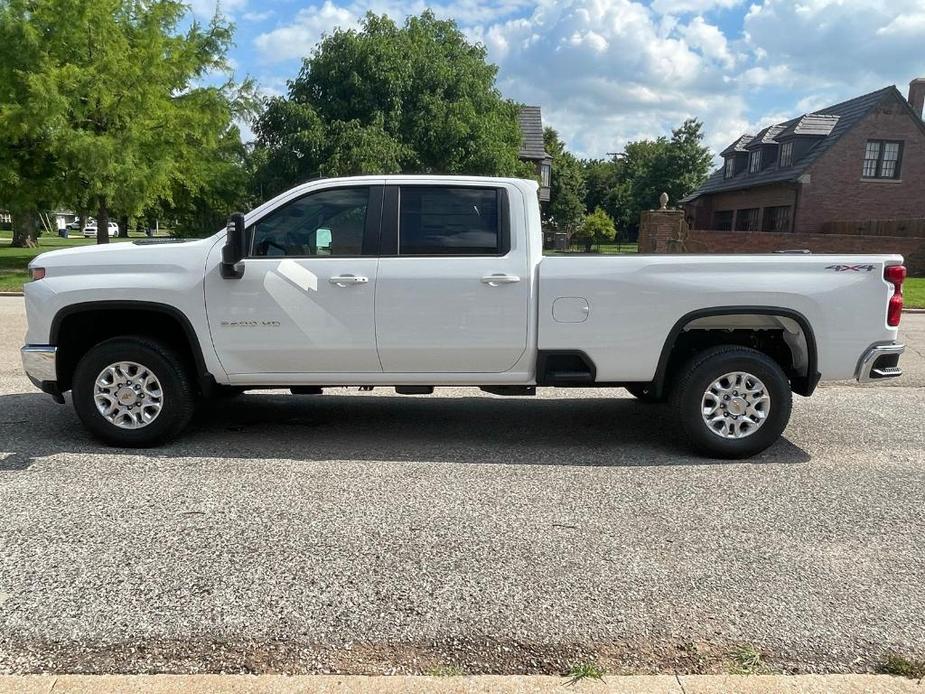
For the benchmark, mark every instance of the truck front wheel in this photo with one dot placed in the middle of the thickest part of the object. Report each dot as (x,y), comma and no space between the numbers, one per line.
(732,402)
(133,392)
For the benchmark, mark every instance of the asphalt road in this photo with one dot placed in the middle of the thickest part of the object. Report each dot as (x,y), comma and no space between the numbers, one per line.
(374,532)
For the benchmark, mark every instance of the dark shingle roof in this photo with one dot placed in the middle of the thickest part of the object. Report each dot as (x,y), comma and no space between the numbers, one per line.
(849,113)
(738,146)
(766,136)
(530,120)
(810,124)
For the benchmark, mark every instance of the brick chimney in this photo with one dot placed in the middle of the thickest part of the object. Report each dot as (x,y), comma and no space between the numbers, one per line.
(917,95)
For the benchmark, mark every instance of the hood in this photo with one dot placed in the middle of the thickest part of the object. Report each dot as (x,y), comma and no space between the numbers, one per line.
(116,257)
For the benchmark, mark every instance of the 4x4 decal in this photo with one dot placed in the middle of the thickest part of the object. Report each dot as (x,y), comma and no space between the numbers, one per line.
(850,268)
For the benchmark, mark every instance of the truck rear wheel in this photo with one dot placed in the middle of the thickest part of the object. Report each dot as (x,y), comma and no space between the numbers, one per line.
(132,392)
(732,402)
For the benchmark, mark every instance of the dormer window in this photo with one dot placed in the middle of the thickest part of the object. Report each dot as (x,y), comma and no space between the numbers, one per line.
(754,161)
(730,170)
(786,155)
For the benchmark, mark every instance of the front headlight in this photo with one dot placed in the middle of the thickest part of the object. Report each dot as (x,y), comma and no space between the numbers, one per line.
(37,273)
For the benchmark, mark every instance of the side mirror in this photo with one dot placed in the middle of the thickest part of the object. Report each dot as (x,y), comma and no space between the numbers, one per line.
(235,248)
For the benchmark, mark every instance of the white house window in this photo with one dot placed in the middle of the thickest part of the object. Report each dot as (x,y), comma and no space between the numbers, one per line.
(729,172)
(545,174)
(786,154)
(754,161)
(882,159)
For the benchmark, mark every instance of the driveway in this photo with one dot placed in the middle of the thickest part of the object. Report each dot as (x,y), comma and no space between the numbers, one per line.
(378,533)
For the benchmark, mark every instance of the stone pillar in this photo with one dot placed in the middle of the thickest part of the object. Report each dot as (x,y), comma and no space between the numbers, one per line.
(659,230)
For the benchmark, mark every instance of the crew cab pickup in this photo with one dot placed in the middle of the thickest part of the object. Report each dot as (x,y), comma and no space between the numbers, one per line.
(414,282)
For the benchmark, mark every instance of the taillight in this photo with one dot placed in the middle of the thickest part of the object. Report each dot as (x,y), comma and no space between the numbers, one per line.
(37,273)
(895,275)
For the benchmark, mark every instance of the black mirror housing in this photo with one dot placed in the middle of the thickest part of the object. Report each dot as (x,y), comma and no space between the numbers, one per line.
(235,248)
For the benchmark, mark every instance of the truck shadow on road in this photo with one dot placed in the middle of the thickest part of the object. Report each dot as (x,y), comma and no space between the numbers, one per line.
(521,431)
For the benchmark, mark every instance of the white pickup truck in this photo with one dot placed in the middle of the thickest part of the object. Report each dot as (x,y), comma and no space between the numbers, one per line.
(421,281)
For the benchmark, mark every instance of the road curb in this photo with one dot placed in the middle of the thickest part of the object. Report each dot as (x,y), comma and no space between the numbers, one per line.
(516,684)
(11,294)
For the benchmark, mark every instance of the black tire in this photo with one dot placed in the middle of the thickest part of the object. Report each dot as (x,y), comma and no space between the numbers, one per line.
(702,371)
(642,392)
(175,381)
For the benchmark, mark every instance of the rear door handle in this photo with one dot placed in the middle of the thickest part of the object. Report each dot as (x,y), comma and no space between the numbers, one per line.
(499,278)
(348,280)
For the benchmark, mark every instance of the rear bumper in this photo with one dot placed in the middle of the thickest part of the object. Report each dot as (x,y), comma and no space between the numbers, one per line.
(879,362)
(40,364)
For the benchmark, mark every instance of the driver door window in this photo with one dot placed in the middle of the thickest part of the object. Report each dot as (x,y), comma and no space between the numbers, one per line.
(326,223)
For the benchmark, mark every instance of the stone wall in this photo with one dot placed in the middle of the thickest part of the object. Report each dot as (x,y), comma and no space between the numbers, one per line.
(659,228)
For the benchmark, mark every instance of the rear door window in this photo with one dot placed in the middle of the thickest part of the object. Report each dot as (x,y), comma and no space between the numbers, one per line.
(449,221)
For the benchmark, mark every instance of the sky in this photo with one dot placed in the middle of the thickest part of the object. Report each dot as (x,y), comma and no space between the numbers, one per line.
(606,72)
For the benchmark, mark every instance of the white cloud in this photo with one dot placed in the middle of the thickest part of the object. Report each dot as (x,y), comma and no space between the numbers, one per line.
(905,25)
(836,43)
(709,40)
(207,8)
(610,71)
(684,6)
(261,16)
(297,40)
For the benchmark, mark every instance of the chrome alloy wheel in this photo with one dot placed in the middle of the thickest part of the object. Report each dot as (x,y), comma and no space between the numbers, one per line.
(735,405)
(128,395)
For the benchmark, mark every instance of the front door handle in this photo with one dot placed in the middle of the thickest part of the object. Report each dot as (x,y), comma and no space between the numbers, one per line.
(499,279)
(348,280)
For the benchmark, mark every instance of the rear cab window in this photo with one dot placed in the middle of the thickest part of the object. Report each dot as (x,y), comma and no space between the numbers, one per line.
(434,220)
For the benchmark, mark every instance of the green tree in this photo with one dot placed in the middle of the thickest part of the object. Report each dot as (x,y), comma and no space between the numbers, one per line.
(596,228)
(29,176)
(676,166)
(606,187)
(566,206)
(112,92)
(418,98)
(200,202)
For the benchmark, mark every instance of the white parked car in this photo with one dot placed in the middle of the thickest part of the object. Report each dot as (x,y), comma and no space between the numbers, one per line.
(414,282)
(90,229)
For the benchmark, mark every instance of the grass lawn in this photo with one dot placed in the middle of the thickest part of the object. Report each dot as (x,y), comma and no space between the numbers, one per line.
(914,292)
(603,249)
(13,261)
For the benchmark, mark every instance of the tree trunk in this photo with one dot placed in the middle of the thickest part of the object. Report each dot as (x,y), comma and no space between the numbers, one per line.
(102,222)
(82,221)
(24,235)
(123,227)
(588,243)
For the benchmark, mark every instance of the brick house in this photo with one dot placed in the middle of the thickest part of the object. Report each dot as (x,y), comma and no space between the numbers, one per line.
(841,167)
(533,148)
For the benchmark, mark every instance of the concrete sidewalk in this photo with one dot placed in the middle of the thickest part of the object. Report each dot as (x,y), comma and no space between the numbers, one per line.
(335,684)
